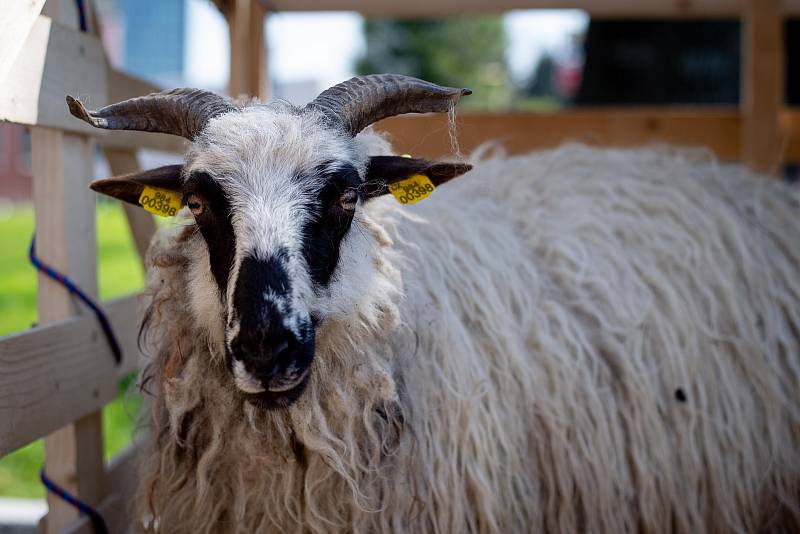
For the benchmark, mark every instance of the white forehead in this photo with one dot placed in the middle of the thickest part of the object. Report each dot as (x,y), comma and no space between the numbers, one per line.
(269,142)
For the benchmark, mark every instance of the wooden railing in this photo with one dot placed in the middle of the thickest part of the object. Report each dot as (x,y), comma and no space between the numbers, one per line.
(55,378)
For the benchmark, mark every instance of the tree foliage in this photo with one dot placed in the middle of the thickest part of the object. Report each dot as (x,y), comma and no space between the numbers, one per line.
(459,51)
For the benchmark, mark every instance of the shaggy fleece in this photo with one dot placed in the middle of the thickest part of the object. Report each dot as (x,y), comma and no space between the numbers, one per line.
(575,340)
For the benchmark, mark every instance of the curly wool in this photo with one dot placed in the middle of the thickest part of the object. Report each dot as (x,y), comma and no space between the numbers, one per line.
(571,340)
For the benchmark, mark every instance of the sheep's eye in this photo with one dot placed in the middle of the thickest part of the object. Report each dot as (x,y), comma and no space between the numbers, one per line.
(348,200)
(196,205)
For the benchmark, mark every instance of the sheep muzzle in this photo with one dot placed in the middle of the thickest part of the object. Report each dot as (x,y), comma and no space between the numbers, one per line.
(270,343)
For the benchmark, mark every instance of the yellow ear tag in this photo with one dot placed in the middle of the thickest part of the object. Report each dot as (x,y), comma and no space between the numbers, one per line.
(413,189)
(160,201)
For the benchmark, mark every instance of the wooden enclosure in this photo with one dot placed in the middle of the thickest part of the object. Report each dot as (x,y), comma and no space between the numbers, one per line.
(56,378)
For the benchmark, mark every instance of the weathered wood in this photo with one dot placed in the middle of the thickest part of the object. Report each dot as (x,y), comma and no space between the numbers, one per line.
(65,226)
(248,51)
(117,507)
(790,128)
(55,61)
(141,223)
(56,373)
(762,85)
(427,135)
(596,8)
(16,20)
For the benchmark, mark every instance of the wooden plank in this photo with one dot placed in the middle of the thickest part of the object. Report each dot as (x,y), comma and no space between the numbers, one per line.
(16,20)
(62,166)
(141,223)
(428,135)
(56,373)
(762,85)
(596,8)
(55,61)
(257,57)
(123,480)
(248,50)
(121,484)
(790,126)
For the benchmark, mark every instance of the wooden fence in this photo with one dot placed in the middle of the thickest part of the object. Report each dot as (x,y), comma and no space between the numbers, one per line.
(56,378)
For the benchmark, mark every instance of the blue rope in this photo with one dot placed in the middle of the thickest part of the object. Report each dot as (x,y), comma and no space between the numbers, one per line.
(81,15)
(78,292)
(94,516)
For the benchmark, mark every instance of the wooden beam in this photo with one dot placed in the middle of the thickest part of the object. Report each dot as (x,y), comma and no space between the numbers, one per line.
(121,483)
(790,126)
(55,61)
(141,223)
(56,373)
(596,8)
(16,21)
(428,135)
(248,51)
(65,239)
(762,85)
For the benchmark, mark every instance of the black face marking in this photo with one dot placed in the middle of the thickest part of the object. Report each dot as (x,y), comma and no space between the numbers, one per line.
(260,285)
(323,235)
(269,351)
(215,225)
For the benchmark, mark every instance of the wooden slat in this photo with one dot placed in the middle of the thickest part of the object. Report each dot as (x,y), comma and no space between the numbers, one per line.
(55,61)
(597,8)
(790,128)
(16,20)
(762,85)
(247,51)
(121,484)
(54,374)
(427,135)
(65,239)
(65,227)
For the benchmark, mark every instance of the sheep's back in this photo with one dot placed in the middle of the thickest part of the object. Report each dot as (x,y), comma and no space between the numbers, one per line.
(609,340)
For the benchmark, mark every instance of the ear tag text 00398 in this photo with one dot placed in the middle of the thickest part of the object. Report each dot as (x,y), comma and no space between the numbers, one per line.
(161,202)
(412,189)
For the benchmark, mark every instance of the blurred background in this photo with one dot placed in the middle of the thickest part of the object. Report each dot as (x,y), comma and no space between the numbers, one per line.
(523,60)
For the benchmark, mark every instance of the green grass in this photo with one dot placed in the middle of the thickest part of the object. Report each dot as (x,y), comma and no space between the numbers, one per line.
(119,273)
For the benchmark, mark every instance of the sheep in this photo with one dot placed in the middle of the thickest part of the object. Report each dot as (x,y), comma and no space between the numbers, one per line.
(573,340)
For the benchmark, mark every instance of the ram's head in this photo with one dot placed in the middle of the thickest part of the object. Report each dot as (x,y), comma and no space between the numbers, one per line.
(273,190)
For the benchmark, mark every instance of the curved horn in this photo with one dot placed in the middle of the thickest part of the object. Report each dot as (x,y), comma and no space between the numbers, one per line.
(360,101)
(183,112)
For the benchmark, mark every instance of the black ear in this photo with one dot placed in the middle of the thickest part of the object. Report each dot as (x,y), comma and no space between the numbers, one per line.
(386,170)
(129,187)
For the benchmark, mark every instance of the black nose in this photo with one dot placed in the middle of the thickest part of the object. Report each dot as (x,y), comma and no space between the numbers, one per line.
(264,353)
(262,345)
(275,358)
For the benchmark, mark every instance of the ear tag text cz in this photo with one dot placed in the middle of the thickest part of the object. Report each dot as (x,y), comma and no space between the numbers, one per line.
(413,189)
(160,201)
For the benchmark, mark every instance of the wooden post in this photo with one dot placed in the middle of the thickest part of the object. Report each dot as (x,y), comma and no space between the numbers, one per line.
(248,50)
(142,225)
(62,165)
(65,239)
(762,85)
